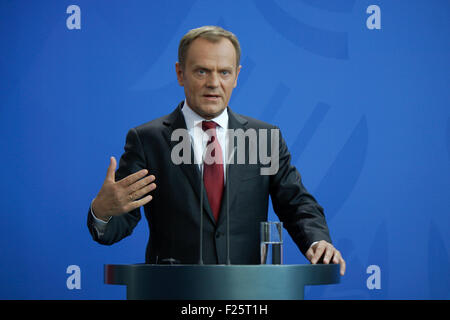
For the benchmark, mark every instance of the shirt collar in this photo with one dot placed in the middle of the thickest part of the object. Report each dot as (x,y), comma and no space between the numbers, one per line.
(192,119)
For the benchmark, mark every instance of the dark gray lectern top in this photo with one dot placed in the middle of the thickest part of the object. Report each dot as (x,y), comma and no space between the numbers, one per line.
(219,282)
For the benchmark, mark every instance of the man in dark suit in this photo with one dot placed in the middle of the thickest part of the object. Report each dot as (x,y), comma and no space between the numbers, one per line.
(170,191)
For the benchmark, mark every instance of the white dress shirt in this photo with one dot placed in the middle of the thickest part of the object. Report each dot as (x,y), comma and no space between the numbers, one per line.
(199,138)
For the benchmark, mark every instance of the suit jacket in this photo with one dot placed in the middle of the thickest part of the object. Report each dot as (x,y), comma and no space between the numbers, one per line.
(173,215)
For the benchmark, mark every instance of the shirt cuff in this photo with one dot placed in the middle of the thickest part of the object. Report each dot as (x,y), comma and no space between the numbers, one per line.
(99,225)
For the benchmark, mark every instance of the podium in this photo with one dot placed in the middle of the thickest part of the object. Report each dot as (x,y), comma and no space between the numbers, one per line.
(219,282)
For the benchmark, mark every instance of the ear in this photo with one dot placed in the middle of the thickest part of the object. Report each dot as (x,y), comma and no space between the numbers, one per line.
(237,74)
(179,72)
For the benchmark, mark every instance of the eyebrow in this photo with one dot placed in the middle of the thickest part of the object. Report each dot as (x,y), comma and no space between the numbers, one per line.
(198,66)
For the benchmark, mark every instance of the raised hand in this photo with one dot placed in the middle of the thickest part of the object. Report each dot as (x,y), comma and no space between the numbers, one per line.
(119,197)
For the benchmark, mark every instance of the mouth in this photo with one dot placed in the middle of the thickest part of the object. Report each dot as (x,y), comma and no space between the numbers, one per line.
(211,97)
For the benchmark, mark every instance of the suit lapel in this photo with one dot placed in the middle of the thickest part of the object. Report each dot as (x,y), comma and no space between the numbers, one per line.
(234,171)
(176,121)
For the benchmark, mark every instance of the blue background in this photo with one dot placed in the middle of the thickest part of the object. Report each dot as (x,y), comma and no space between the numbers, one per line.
(365,114)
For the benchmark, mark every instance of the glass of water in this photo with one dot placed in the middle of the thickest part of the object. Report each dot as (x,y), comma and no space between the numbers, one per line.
(271,242)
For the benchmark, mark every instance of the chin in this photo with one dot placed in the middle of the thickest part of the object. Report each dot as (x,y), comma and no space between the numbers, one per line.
(211,111)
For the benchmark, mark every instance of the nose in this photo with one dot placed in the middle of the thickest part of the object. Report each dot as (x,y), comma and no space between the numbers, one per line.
(213,80)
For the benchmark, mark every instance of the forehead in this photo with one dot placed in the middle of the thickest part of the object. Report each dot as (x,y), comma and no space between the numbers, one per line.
(206,52)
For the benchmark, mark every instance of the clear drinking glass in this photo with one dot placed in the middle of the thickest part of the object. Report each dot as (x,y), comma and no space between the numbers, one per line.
(271,242)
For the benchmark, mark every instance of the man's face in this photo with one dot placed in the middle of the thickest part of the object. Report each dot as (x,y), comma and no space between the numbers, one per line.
(209,76)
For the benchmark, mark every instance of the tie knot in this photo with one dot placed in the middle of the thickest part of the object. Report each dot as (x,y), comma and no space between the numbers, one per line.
(206,125)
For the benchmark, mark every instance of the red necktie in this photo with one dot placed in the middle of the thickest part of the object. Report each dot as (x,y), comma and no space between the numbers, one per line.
(213,168)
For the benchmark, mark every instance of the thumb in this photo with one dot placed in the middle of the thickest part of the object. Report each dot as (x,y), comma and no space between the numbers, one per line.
(309,254)
(111,172)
